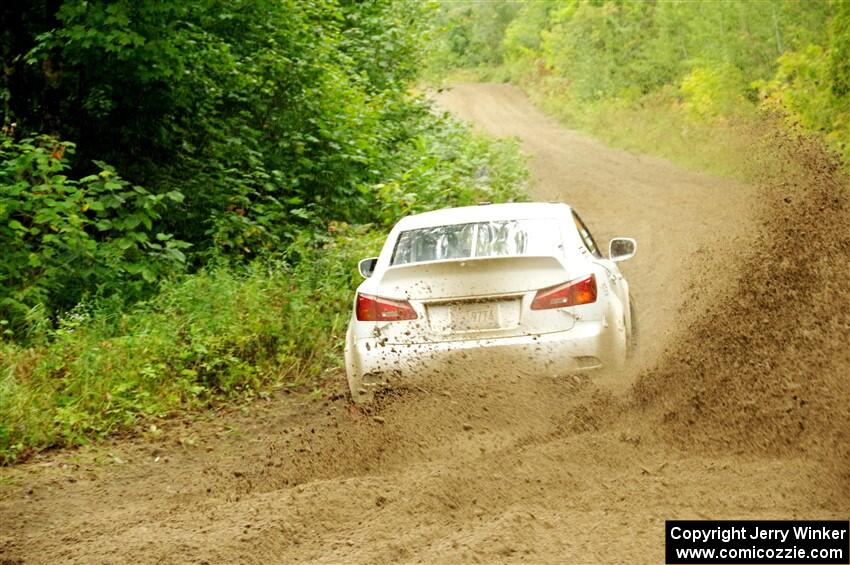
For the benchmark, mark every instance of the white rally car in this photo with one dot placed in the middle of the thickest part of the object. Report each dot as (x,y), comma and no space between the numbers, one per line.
(517,286)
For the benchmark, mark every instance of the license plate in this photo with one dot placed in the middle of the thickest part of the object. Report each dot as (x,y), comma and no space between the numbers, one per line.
(474,317)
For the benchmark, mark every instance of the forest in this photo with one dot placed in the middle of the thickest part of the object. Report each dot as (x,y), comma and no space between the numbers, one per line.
(185,189)
(672,78)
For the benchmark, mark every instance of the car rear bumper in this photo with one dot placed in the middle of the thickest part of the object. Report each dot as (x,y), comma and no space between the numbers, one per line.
(558,353)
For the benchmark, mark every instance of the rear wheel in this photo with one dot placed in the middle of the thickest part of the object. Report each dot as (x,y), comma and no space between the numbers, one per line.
(359,395)
(359,391)
(353,388)
(632,338)
(355,381)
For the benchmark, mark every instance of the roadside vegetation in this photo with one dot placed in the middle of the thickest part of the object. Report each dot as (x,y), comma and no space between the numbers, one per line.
(185,189)
(684,80)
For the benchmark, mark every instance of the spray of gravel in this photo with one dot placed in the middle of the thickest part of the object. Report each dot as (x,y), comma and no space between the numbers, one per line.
(765,367)
(760,361)
(467,410)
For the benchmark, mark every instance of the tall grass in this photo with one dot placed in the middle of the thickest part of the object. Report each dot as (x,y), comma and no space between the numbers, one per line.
(223,332)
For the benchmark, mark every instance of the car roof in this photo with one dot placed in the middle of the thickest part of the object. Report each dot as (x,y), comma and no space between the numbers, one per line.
(484,213)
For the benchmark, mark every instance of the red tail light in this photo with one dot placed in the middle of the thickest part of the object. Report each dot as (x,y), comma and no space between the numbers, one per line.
(377,309)
(572,293)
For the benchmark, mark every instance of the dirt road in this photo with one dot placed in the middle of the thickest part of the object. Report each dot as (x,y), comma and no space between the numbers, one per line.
(531,470)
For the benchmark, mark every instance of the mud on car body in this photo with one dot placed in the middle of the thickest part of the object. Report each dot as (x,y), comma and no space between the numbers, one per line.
(522,284)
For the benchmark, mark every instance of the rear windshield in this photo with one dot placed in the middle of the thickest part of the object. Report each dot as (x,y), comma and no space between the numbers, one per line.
(480,239)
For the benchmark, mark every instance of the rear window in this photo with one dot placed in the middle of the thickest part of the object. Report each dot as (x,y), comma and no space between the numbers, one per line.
(480,239)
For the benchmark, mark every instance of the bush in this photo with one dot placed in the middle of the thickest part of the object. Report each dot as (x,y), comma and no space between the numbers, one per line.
(230,330)
(222,332)
(63,240)
(447,164)
(268,115)
(263,148)
(711,93)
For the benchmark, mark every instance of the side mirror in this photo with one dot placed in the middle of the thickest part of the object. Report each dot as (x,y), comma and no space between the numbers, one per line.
(367,267)
(622,248)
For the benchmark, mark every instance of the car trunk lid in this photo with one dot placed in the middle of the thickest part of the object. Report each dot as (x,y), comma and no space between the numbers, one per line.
(474,298)
(461,278)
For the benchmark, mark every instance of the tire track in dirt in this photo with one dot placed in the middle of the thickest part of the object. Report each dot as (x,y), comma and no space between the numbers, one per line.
(461,468)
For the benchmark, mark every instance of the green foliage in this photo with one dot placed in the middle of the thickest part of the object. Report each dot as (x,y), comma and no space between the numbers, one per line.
(523,40)
(710,61)
(447,164)
(603,57)
(228,330)
(710,93)
(221,332)
(65,239)
(470,33)
(269,116)
(813,82)
(263,147)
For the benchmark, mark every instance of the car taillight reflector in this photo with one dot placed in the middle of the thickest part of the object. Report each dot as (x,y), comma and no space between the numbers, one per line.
(572,293)
(377,309)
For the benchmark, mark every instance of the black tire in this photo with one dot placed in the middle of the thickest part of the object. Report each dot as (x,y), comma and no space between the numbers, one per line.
(633,334)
